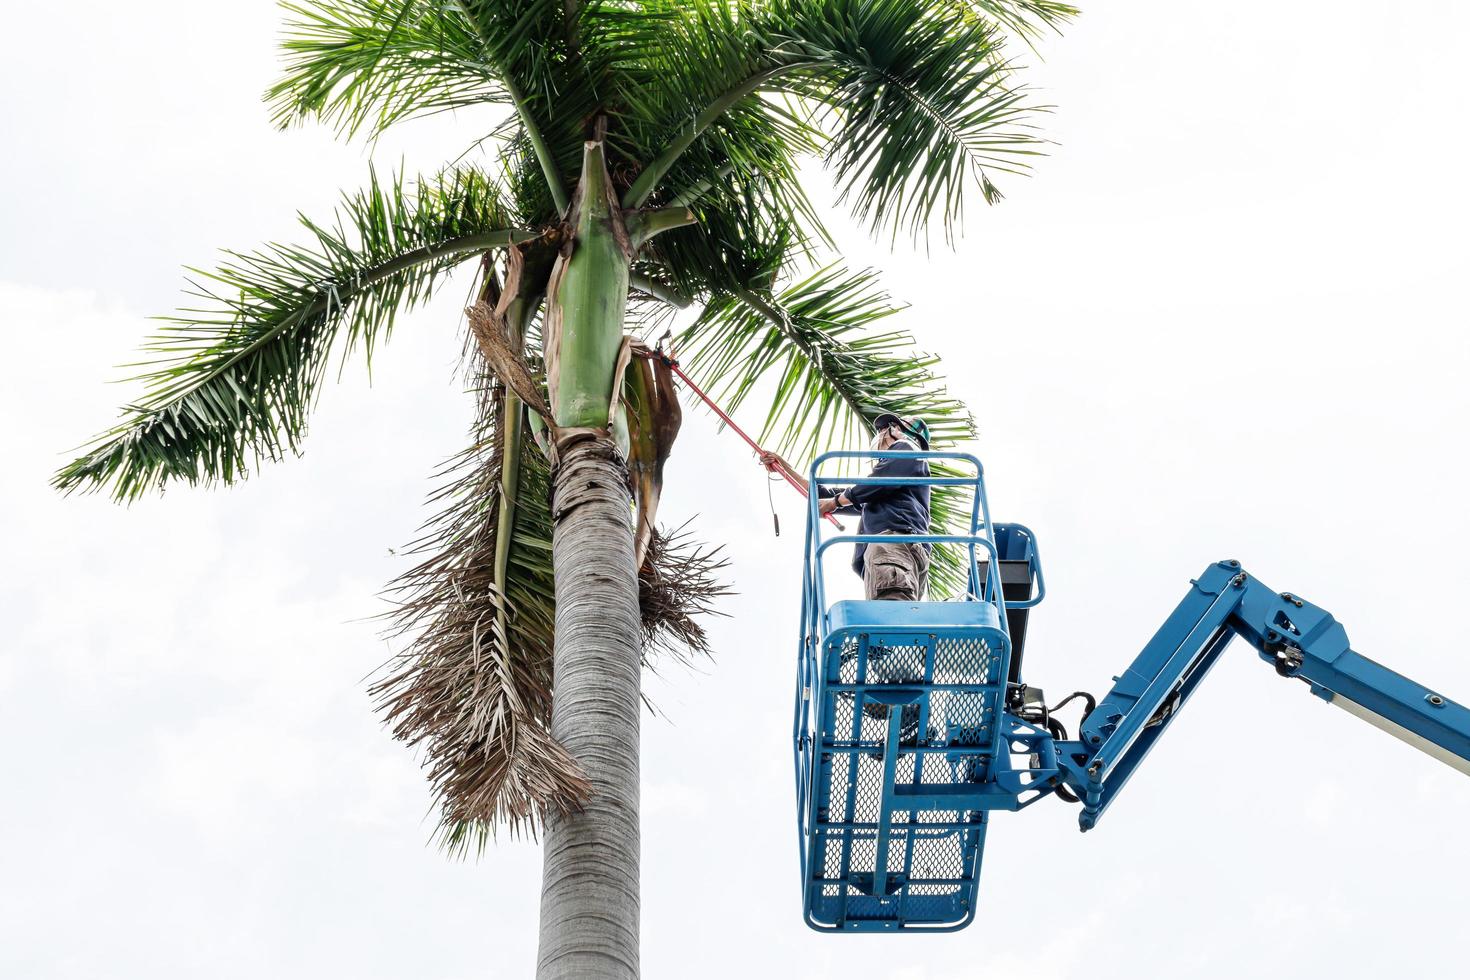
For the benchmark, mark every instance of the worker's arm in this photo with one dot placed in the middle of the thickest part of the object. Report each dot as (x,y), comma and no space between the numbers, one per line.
(867,493)
(775,463)
(835,501)
(839,502)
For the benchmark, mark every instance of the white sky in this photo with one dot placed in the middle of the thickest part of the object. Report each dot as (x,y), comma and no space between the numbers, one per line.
(1224,319)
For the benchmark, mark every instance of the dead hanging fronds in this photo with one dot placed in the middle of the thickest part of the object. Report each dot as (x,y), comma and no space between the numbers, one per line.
(472,688)
(678,578)
(654,419)
(501,348)
(505,361)
(680,581)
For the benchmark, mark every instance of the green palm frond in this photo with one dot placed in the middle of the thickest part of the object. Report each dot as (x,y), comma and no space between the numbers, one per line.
(738,242)
(563,64)
(691,94)
(232,380)
(749,160)
(816,347)
(921,101)
(1026,18)
(366,64)
(949,510)
(832,371)
(911,101)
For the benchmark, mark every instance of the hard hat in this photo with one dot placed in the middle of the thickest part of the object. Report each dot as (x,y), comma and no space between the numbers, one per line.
(914,427)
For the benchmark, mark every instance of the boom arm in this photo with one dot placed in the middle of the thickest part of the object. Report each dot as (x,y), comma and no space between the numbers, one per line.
(1301,640)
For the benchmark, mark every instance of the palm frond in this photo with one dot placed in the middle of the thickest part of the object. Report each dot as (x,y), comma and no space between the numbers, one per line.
(701,79)
(815,347)
(232,380)
(679,583)
(921,100)
(755,147)
(739,241)
(949,512)
(366,64)
(833,372)
(559,63)
(912,102)
(472,687)
(1025,18)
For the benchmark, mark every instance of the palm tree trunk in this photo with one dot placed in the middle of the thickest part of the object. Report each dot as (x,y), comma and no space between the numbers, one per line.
(589,890)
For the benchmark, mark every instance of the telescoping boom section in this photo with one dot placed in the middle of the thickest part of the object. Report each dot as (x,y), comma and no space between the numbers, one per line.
(912,722)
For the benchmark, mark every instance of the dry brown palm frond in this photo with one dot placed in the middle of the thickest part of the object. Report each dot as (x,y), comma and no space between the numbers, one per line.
(680,580)
(654,420)
(472,688)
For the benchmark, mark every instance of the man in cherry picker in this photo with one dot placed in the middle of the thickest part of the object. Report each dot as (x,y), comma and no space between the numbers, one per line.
(900,570)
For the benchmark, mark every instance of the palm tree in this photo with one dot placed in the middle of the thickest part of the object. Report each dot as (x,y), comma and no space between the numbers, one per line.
(647,163)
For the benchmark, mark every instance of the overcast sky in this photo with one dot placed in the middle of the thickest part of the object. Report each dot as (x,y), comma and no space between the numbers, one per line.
(1225,318)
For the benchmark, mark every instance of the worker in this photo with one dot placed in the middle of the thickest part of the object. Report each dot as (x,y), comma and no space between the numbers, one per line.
(900,570)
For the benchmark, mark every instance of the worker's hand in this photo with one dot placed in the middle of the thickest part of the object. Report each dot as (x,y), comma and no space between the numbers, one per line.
(773,462)
(826,505)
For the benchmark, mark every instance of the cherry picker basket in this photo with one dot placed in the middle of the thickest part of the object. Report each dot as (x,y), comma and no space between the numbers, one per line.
(900,730)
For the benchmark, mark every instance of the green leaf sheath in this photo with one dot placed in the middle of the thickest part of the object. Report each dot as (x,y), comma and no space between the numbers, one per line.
(586,301)
(233,379)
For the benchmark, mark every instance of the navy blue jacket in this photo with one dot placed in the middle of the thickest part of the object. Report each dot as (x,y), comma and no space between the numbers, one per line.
(900,509)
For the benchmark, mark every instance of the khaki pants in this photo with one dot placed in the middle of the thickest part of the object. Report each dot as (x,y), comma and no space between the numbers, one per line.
(897,571)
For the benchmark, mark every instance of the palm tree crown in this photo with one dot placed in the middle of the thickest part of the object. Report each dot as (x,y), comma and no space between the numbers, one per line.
(692,118)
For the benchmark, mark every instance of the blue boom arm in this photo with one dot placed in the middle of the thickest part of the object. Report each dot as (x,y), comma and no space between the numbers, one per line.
(1299,639)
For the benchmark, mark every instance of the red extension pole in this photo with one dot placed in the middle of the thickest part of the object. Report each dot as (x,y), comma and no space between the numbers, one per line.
(674,366)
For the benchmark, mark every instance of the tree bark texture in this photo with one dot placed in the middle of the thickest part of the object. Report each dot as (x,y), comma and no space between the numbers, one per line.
(589,897)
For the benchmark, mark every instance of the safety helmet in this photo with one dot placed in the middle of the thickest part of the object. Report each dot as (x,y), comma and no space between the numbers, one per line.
(913,427)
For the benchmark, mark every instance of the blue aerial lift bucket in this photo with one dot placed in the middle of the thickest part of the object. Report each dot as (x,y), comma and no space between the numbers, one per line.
(900,722)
